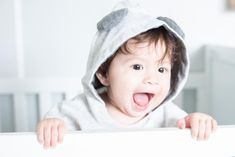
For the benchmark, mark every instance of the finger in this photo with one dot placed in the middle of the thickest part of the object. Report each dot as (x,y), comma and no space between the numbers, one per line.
(47,136)
(208,129)
(187,122)
(181,123)
(61,132)
(54,136)
(202,128)
(194,128)
(214,125)
(40,137)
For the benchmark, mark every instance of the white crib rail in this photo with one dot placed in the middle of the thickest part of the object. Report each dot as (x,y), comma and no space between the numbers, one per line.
(149,143)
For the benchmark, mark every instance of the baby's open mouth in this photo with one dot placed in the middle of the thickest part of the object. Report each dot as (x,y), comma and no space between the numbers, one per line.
(142,99)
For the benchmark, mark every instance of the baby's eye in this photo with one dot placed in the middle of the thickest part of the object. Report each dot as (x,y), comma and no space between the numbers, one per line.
(162,70)
(137,67)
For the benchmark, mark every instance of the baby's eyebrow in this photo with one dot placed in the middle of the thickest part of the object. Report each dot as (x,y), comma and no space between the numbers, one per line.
(130,59)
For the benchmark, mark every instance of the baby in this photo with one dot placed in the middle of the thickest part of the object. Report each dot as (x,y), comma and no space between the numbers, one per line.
(136,67)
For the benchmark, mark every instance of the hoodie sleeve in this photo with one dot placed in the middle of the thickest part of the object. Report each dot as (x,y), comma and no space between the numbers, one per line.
(172,114)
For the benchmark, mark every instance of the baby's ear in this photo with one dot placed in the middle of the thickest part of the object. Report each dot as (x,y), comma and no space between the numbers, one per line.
(103,79)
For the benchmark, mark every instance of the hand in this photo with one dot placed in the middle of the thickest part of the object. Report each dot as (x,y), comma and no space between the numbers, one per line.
(202,125)
(50,132)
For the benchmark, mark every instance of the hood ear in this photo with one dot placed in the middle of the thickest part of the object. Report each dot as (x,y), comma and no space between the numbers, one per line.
(171,23)
(103,79)
(111,20)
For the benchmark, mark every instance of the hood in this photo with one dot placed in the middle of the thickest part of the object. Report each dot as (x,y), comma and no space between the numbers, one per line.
(127,20)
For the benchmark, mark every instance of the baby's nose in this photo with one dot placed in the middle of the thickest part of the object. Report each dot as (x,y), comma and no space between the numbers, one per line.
(151,78)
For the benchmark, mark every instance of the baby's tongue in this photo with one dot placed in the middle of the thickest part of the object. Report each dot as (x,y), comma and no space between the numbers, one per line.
(141,99)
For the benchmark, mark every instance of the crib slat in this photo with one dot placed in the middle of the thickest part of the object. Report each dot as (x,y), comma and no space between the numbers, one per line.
(6,113)
(20,112)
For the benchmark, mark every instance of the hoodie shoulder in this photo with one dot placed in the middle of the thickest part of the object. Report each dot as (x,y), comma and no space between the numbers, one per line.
(70,111)
(172,114)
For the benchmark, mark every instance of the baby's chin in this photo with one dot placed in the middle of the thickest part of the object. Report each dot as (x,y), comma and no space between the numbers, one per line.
(139,115)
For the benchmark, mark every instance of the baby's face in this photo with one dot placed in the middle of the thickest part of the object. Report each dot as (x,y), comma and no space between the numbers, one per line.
(138,82)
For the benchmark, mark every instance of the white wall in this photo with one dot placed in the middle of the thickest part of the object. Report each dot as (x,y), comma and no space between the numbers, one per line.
(52,38)
(7,40)
(204,22)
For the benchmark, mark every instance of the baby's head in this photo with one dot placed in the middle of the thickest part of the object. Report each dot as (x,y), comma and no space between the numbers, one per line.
(173,49)
(142,73)
(139,59)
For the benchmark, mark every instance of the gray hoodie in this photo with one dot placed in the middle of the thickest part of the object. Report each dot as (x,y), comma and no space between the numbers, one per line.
(87,111)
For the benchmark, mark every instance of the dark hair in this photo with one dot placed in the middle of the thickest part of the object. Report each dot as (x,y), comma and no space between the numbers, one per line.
(174,48)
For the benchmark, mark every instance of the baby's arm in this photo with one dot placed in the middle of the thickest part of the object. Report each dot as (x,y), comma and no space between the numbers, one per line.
(50,131)
(202,125)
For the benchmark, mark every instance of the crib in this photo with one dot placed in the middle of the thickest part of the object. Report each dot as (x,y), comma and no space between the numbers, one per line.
(23,102)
